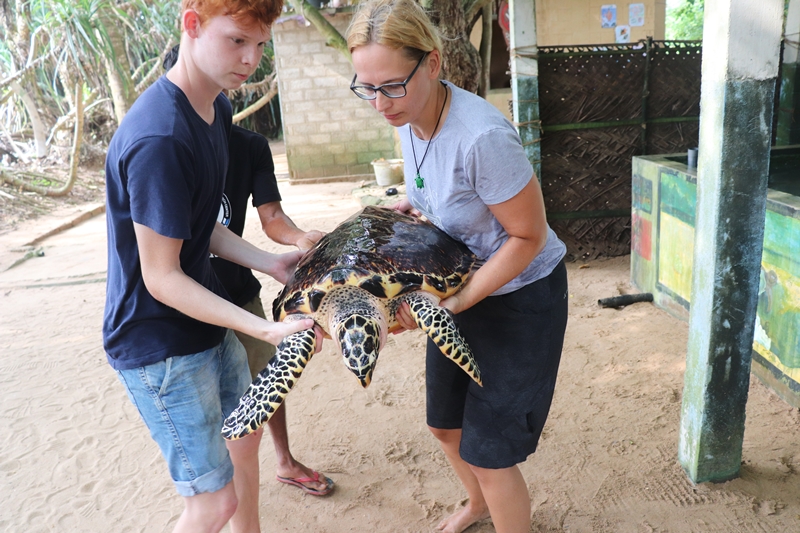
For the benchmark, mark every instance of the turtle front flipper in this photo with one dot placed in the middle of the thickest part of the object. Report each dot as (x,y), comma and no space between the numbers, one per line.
(440,327)
(271,385)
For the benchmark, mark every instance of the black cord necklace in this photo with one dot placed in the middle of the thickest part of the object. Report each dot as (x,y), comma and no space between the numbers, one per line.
(420,182)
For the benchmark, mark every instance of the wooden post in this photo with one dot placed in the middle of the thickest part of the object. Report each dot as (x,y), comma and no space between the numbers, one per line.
(645,94)
(741,44)
(523,51)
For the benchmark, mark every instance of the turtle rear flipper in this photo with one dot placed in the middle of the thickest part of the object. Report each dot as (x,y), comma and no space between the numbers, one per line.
(271,385)
(439,325)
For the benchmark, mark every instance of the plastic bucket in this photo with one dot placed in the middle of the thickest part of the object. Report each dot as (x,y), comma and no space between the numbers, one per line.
(388,171)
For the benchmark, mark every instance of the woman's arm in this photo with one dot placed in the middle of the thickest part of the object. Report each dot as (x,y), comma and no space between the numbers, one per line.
(523,218)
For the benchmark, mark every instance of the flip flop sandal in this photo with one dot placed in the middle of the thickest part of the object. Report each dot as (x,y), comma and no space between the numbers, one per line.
(299,482)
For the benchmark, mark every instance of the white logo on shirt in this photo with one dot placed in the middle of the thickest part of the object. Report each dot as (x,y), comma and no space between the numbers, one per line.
(224,216)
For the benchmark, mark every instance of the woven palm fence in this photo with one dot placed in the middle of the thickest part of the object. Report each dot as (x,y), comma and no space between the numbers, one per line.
(600,106)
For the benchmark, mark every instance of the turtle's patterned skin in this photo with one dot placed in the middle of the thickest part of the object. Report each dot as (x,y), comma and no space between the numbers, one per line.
(352,283)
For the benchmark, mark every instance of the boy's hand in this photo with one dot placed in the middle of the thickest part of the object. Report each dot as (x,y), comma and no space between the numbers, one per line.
(284,266)
(274,332)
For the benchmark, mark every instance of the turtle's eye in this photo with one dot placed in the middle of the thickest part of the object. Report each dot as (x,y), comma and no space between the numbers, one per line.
(436,283)
(314,298)
(408,279)
(292,302)
(454,281)
(374,286)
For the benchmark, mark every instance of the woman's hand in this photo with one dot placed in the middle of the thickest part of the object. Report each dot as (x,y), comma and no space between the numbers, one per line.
(404,318)
(453,304)
(407,322)
(405,207)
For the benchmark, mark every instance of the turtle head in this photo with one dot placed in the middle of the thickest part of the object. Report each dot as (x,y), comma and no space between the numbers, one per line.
(360,337)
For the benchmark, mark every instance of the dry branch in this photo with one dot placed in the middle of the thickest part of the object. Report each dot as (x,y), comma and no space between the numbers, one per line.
(154,72)
(30,66)
(258,104)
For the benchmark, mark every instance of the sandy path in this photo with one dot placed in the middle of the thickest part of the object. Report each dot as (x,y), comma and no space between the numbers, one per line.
(75,457)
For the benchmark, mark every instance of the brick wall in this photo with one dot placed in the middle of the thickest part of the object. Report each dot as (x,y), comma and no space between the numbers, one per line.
(329,133)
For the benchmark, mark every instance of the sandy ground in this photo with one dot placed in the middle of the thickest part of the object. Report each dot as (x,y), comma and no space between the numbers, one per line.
(74,456)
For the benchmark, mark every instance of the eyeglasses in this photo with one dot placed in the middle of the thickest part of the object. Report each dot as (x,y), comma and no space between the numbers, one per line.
(390,90)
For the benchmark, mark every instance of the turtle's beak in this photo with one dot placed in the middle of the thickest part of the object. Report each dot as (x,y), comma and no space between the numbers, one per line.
(360,339)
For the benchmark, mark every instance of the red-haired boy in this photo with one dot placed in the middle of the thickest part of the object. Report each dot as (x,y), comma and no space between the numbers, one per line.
(167,323)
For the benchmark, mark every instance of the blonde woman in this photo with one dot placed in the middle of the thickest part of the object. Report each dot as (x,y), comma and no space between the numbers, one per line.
(466,171)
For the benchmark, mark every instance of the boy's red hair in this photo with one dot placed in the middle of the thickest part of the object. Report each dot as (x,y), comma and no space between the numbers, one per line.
(244,12)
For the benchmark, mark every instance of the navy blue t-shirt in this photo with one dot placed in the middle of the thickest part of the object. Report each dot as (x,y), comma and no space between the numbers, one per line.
(165,169)
(251,172)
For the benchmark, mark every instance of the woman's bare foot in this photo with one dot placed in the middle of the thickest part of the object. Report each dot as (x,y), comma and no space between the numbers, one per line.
(462,519)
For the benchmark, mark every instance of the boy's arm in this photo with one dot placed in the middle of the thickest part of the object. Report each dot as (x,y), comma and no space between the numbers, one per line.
(167,283)
(281,229)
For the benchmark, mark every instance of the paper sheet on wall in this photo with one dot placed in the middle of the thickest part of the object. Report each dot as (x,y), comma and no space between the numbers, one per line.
(636,14)
(608,16)
(622,34)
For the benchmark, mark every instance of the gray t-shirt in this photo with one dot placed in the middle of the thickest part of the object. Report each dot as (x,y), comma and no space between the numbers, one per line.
(475,161)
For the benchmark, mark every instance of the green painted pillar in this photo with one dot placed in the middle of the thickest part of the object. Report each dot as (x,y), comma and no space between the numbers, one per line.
(788,80)
(525,78)
(741,46)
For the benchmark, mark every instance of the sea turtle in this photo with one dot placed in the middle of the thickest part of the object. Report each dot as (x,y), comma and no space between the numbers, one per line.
(352,283)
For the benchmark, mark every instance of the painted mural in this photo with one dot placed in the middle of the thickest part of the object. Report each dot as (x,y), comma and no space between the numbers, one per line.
(678,200)
(662,256)
(777,337)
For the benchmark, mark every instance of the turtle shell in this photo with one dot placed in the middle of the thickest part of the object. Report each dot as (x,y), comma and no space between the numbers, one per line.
(384,252)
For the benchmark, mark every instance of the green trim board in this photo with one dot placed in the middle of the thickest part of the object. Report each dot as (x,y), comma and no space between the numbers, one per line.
(616,123)
(771,376)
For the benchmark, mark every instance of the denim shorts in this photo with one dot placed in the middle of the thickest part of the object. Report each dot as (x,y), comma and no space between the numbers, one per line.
(516,339)
(183,401)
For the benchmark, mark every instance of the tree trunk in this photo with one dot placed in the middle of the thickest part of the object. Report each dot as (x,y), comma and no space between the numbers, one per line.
(39,127)
(461,63)
(24,88)
(118,68)
(22,34)
(486,49)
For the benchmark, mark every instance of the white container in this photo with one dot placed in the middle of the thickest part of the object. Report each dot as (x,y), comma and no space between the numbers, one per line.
(388,171)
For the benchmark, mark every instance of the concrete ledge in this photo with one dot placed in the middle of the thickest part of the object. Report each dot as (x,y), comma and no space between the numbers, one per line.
(330,179)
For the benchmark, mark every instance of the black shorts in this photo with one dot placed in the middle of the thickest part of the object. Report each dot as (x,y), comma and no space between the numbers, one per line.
(516,339)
